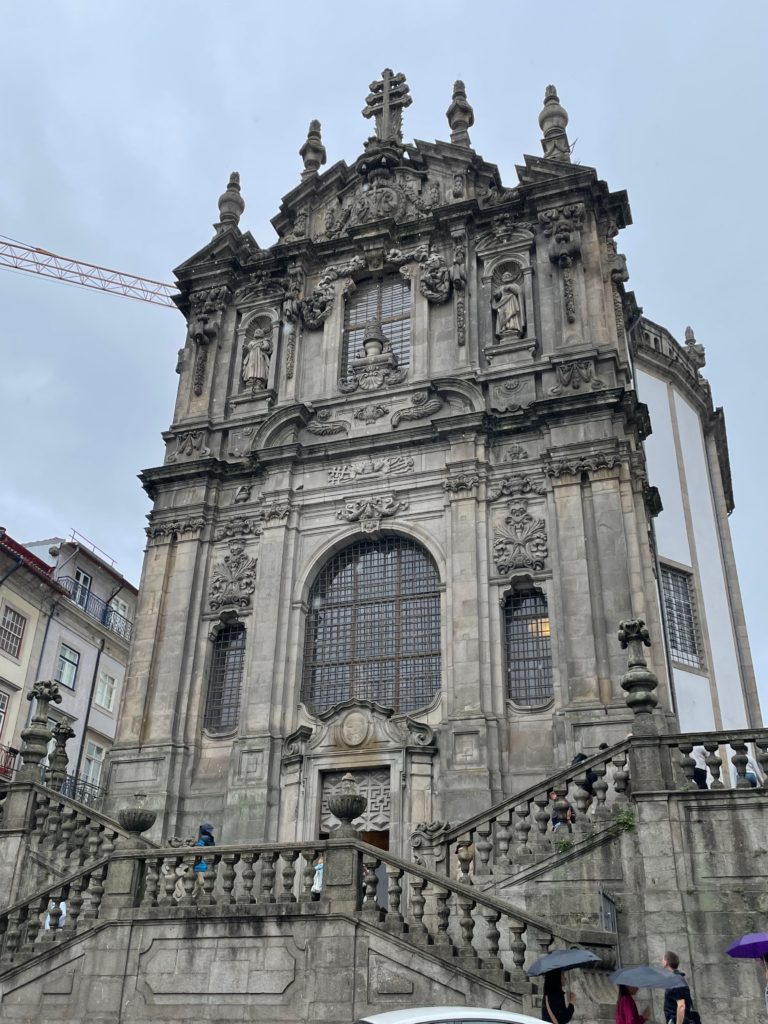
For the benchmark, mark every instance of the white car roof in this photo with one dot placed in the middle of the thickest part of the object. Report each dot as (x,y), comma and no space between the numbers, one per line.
(429,1014)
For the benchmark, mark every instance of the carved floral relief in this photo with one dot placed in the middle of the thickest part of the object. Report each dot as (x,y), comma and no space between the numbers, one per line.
(520,542)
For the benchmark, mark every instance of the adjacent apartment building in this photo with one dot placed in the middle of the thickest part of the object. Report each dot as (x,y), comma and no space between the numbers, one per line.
(66,614)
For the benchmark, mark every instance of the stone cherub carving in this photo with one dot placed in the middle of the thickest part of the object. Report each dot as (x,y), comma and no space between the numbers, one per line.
(509,307)
(256,355)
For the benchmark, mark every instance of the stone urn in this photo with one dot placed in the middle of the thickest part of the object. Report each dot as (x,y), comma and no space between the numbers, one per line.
(137,819)
(373,341)
(347,805)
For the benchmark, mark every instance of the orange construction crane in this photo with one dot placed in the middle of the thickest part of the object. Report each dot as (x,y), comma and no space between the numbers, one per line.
(17,256)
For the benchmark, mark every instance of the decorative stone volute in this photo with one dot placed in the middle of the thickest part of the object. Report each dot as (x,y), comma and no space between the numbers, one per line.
(460,115)
(313,151)
(36,736)
(639,682)
(347,805)
(553,120)
(231,204)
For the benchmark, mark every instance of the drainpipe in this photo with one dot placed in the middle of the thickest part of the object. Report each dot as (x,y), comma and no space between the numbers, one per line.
(102,642)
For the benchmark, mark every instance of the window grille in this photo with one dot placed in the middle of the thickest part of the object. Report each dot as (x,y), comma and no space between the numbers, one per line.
(66,670)
(373,629)
(12,632)
(528,647)
(680,617)
(222,705)
(385,301)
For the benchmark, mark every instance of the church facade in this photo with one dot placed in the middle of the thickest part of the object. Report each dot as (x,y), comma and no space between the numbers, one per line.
(406,499)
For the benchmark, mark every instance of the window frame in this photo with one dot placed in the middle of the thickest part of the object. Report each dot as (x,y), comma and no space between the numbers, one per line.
(82,590)
(110,707)
(5,703)
(67,661)
(218,664)
(401,346)
(680,634)
(541,693)
(8,609)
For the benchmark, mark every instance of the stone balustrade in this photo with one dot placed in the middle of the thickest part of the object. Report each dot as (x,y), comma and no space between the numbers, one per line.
(736,759)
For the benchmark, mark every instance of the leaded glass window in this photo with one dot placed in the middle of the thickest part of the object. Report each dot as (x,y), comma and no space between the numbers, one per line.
(373,629)
(528,647)
(222,705)
(680,616)
(385,301)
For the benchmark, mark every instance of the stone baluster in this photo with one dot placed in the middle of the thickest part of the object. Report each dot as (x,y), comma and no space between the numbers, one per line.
(581,799)
(370,884)
(248,876)
(188,881)
(267,880)
(620,778)
(394,920)
(517,943)
(74,903)
(714,763)
(206,898)
(35,737)
(12,937)
(522,828)
(42,815)
(543,942)
(418,931)
(92,842)
(503,839)
(687,764)
(288,875)
(93,894)
(467,925)
(170,878)
(600,789)
(228,862)
(740,760)
(466,857)
(542,817)
(443,914)
(151,881)
(492,961)
(762,759)
(483,848)
(307,875)
(108,841)
(32,922)
(77,840)
(54,912)
(68,823)
(561,805)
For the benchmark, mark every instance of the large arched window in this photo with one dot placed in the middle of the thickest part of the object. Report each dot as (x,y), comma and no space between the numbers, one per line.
(385,301)
(373,629)
(222,703)
(528,647)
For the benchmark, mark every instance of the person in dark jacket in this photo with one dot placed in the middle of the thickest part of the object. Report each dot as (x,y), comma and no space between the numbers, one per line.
(204,838)
(677,1000)
(554,1007)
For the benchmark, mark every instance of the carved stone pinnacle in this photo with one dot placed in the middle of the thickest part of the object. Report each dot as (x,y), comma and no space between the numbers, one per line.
(231,204)
(460,115)
(553,121)
(313,151)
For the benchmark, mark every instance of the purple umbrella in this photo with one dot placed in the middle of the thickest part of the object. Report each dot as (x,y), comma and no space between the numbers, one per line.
(751,946)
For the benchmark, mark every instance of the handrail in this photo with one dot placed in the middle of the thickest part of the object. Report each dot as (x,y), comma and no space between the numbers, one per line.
(49,890)
(92,812)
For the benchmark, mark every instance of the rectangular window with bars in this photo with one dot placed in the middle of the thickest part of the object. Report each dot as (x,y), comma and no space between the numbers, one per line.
(680,617)
(12,628)
(386,302)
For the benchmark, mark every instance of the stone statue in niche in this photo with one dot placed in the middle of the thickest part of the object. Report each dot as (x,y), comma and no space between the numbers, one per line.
(509,306)
(256,354)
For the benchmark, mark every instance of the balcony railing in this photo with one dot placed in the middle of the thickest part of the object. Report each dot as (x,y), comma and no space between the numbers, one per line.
(97,608)
(8,759)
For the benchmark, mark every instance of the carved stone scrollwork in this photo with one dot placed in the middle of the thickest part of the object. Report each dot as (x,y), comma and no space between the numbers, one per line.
(295,745)
(428,843)
(316,309)
(370,511)
(158,531)
(189,445)
(459,281)
(324,427)
(233,580)
(293,287)
(423,407)
(241,526)
(582,464)
(371,413)
(419,734)
(206,311)
(370,467)
(521,541)
(464,482)
(575,375)
(563,227)
(515,485)
(435,280)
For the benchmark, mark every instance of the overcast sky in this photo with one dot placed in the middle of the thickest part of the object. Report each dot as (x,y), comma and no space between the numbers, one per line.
(120,123)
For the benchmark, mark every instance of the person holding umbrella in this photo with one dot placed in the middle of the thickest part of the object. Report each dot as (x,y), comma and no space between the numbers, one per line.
(555,1008)
(674,985)
(752,947)
(626,1008)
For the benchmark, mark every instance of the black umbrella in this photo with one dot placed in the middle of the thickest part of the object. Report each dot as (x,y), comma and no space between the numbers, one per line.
(562,960)
(647,977)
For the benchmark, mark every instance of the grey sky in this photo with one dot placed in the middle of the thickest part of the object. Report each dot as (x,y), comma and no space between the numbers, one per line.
(121,121)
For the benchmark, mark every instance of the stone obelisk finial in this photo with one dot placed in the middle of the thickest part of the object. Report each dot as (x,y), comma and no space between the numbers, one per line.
(313,151)
(460,115)
(231,204)
(553,120)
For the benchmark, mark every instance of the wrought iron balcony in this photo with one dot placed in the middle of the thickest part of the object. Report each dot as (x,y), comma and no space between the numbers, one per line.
(8,759)
(97,608)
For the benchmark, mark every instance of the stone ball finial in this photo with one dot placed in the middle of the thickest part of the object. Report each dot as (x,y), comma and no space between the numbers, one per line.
(460,115)
(231,203)
(553,120)
(313,151)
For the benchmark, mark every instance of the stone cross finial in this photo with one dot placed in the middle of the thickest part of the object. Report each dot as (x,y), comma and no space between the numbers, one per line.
(313,151)
(231,204)
(385,103)
(460,115)
(553,121)
(639,682)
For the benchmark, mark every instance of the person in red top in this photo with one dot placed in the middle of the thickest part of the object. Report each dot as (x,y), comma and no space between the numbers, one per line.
(626,1008)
